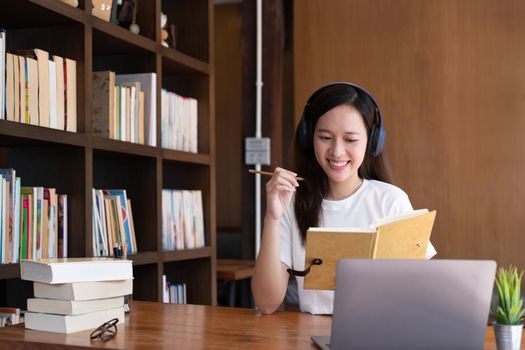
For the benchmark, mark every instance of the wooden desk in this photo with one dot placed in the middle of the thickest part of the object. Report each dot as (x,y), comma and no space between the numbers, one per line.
(233,270)
(168,326)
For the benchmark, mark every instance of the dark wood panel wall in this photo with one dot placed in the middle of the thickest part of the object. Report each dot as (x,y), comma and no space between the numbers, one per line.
(450,77)
(228,110)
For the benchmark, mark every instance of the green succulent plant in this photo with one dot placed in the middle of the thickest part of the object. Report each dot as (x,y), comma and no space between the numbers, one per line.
(509,308)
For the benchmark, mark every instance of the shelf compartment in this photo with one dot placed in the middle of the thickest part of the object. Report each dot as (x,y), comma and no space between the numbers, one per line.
(191,19)
(59,167)
(186,254)
(145,283)
(197,276)
(43,13)
(137,175)
(176,62)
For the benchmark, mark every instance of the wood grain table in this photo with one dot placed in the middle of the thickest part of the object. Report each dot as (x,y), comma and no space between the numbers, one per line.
(169,326)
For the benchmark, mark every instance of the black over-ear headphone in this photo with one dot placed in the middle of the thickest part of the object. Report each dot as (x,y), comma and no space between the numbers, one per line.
(376,136)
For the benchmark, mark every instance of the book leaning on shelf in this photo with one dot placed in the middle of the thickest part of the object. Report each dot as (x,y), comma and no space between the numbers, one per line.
(112,222)
(401,236)
(76,294)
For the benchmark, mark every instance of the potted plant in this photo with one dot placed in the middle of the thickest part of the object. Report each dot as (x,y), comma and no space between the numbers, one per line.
(508,309)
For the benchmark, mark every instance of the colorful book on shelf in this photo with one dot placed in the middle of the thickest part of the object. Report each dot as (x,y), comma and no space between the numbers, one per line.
(123,203)
(72,307)
(83,290)
(71,323)
(75,270)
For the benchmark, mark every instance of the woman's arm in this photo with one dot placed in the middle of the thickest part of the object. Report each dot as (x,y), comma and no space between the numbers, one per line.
(270,278)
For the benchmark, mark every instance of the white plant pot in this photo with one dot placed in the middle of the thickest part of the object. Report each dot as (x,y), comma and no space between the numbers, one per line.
(508,337)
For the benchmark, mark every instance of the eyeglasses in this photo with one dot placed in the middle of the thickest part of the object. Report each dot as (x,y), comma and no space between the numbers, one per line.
(105,331)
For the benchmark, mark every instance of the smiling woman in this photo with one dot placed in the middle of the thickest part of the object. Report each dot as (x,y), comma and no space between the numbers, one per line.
(339,149)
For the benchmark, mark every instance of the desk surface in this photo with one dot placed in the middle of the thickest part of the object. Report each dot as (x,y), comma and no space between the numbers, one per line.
(158,326)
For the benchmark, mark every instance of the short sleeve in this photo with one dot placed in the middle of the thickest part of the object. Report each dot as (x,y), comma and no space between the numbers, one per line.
(401,204)
(286,229)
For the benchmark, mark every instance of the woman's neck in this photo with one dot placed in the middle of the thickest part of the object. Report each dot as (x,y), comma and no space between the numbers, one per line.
(342,190)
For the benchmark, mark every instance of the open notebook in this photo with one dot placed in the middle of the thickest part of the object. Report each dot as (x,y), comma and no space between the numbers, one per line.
(403,236)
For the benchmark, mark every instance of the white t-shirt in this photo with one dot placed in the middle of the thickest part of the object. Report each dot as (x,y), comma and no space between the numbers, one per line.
(371,202)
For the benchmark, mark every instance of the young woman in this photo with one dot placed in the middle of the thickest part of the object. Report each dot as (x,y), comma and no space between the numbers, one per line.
(338,151)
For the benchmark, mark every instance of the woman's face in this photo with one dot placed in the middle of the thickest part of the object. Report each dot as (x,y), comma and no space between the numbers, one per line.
(340,140)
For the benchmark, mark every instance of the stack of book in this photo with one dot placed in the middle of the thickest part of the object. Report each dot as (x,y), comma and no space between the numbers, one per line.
(76,294)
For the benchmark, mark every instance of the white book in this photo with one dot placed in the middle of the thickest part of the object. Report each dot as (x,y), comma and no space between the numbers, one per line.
(71,323)
(2,72)
(76,270)
(83,290)
(60,92)
(72,307)
(52,95)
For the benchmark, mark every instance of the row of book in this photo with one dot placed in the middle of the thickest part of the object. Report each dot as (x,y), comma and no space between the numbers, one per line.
(173,292)
(112,222)
(38,90)
(179,118)
(33,221)
(76,294)
(182,220)
(124,106)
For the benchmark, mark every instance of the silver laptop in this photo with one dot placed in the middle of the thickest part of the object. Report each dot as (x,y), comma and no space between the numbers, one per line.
(410,304)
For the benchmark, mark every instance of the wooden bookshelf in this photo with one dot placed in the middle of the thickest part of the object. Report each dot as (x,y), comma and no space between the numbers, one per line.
(74,163)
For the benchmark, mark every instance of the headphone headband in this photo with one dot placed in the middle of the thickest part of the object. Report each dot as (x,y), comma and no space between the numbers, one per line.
(377,134)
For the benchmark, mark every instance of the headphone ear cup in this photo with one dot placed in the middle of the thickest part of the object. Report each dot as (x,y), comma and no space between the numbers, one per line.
(376,141)
(302,134)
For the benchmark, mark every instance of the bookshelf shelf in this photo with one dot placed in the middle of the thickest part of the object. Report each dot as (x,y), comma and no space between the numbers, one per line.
(24,134)
(144,258)
(10,271)
(185,157)
(115,146)
(177,62)
(75,163)
(187,254)
(110,38)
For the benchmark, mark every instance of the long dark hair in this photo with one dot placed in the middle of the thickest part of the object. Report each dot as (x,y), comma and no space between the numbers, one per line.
(310,193)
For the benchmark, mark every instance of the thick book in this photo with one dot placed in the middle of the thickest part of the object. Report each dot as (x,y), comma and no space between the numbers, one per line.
(83,290)
(402,236)
(71,323)
(76,270)
(72,307)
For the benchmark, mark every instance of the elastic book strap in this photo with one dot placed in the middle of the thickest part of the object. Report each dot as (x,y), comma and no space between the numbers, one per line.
(307,270)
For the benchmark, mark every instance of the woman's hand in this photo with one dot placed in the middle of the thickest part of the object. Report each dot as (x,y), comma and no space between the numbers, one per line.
(279,191)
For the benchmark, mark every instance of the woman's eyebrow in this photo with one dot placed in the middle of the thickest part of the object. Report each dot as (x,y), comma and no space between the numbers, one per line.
(346,132)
